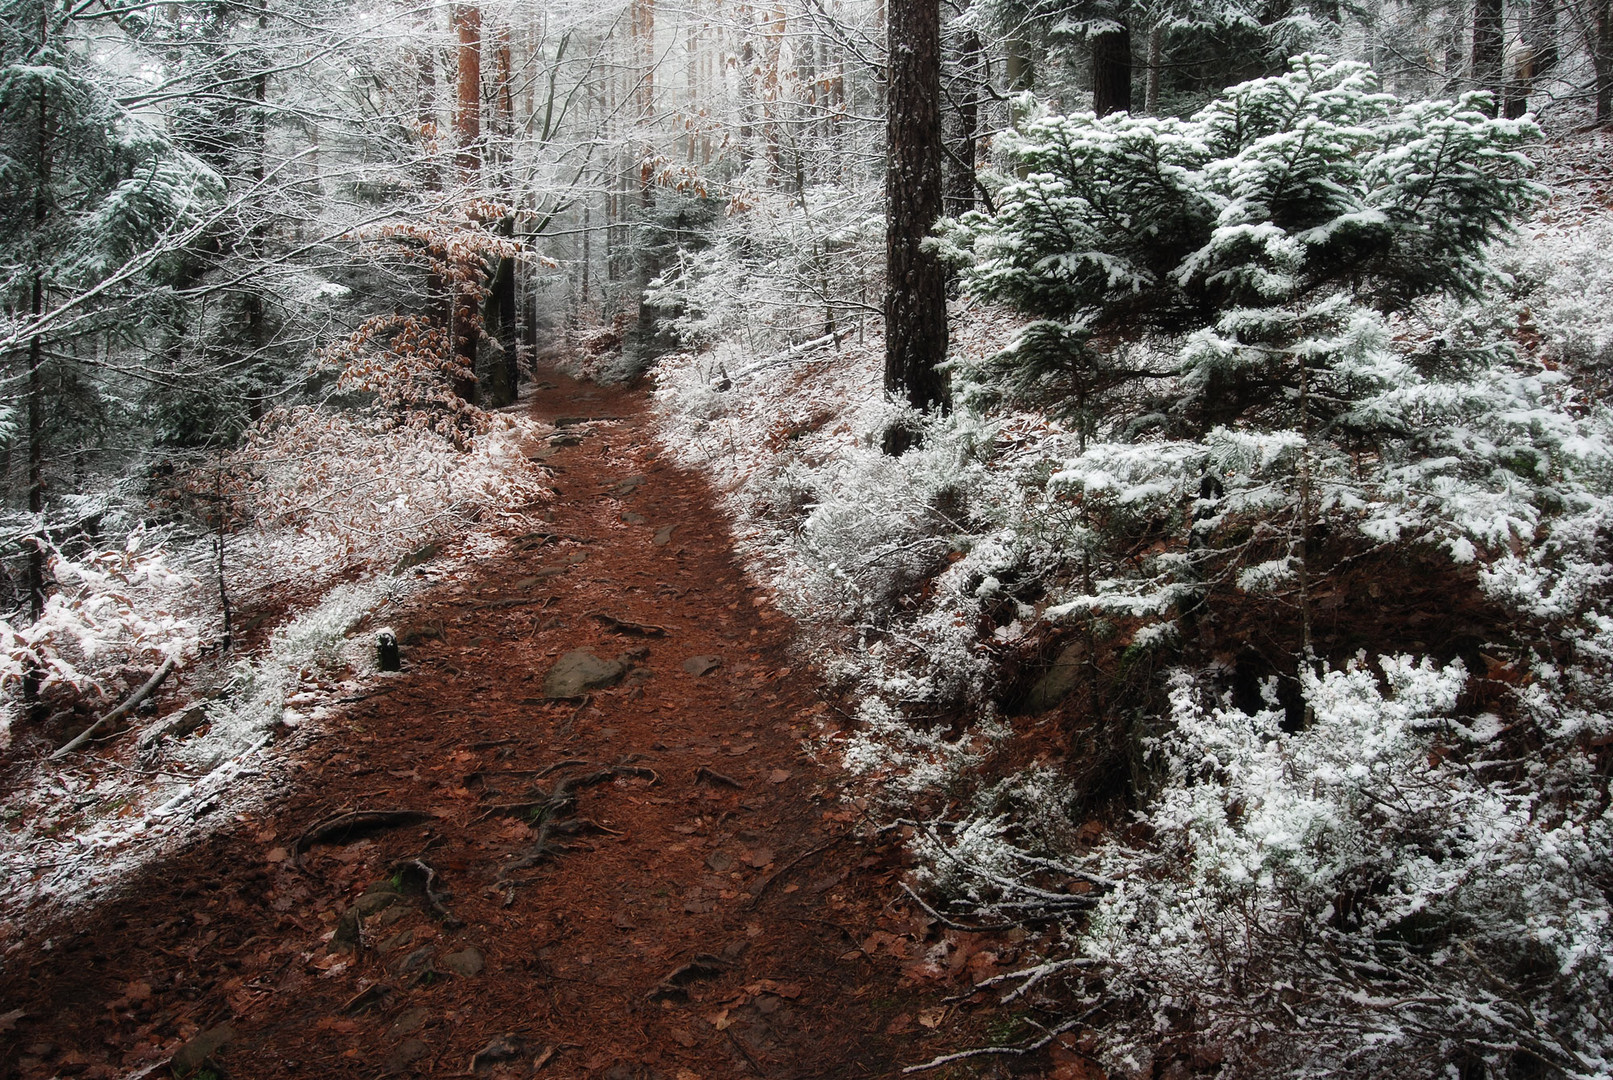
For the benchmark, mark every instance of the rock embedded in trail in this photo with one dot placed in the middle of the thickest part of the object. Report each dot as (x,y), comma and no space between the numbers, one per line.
(422,554)
(408,1022)
(194,1054)
(466,962)
(702,665)
(580,671)
(408,1052)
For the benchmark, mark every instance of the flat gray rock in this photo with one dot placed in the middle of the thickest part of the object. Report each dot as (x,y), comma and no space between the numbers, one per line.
(580,671)
(702,665)
(1062,677)
(465,962)
(194,1054)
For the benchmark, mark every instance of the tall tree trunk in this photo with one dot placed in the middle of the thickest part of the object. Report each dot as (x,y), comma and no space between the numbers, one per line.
(254,310)
(468,113)
(960,165)
(503,109)
(1538,56)
(1156,65)
(36,454)
(426,115)
(1456,52)
(463,330)
(498,321)
(1021,69)
(36,385)
(915,290)
(1489,42)
(643,68)
(1111,69)
(587,253)
(1602,58)
(499,313)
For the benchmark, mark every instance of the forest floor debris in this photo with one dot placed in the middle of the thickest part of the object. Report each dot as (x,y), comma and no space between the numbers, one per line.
(397,950)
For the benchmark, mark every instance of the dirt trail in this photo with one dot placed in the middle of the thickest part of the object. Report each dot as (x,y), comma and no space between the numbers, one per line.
(701,910)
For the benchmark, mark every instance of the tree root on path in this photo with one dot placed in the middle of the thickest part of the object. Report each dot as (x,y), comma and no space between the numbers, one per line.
(624,626)
(791,865)
(415,876)
(547,813)
(345,826)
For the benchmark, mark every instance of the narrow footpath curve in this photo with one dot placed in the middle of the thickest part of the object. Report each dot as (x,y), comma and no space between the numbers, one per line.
(649,881)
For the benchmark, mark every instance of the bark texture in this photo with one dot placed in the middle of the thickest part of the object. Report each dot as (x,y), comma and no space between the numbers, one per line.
(1489,43)
(915,291)
(1111,70)
(1602,58)
(468,112)
(971,69)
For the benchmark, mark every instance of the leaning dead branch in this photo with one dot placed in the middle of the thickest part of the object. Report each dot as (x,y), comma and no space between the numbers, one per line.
(131,703)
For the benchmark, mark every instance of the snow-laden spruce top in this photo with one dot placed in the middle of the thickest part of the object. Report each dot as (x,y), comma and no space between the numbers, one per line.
(1307,182)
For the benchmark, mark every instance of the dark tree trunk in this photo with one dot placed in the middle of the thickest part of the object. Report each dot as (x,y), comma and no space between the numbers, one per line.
(915,290)
(1489,41)
(256,334)
(467,136)
(36,456)
(1602,58)
(1111,70)
(960,178)
(1021,69)
(1156,65)
(36,395)
(498,322)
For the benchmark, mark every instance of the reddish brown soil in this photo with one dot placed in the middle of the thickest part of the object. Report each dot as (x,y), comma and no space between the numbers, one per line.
(809,964)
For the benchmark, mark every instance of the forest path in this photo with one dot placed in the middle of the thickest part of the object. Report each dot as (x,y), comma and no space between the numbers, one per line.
(649,882)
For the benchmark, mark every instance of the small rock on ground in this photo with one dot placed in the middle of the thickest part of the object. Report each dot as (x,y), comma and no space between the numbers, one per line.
(195,1053)
(702,665)
(579,671)
(465,962)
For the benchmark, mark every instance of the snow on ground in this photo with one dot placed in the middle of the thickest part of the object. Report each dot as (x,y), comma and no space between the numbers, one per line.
(78,830)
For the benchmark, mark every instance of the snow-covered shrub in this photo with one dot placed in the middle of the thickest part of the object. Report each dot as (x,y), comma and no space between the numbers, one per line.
(1565,281)
(780,270)
(1396,890)
(111,610)
(327,490)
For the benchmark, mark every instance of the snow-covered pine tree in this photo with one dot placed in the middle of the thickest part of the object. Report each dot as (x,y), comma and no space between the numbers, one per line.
(101,202)
(1248,233)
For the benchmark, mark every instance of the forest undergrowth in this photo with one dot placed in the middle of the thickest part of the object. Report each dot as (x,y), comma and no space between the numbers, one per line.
(321,522)
(1287,740)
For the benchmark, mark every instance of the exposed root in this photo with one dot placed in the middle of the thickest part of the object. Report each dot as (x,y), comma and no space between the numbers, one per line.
(345,826)
(623,626)
(704,775)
